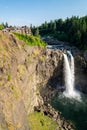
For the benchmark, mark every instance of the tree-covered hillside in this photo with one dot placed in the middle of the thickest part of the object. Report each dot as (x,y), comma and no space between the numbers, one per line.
(72,30)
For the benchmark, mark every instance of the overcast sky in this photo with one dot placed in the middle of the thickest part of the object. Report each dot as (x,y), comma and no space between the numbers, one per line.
(35,12)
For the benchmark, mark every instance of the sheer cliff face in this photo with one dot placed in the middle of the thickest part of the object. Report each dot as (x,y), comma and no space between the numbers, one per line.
(18,93)
(23,71)
(81,73)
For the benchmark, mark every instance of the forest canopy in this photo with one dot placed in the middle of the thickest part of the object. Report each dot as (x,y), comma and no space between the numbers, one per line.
(72,30)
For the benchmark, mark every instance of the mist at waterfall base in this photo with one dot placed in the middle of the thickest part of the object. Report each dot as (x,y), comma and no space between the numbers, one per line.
(71,103)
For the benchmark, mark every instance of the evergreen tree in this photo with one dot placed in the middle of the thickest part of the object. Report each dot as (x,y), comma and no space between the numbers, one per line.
(73,30)
(37,32)
(46,25)
(54,26)
(6,24)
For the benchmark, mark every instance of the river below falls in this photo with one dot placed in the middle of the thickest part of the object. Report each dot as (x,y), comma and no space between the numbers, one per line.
(72,109)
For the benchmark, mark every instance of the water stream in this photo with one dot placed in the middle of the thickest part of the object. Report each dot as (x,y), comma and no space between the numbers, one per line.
(69,77)
(71,103)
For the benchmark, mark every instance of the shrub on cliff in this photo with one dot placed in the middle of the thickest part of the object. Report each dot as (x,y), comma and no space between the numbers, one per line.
(30,40)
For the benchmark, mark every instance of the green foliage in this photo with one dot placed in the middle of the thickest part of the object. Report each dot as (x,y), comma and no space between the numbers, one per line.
(61,36)
(72,30)
(38,121)
(37,32)
(31,40)
(54,26)
(1,27)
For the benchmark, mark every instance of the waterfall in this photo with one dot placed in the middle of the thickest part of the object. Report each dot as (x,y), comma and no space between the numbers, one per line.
(69,77)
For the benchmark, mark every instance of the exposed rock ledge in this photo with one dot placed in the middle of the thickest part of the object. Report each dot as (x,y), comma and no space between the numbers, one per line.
(25,74)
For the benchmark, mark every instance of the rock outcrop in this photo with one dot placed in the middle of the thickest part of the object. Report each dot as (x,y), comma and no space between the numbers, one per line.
(23,71)
(29,77)
(81,73)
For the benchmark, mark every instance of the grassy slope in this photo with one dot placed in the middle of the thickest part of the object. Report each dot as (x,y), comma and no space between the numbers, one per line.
(40,122)
(31,40)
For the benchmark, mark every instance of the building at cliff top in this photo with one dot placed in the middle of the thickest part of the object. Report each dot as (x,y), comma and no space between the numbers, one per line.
(22,30)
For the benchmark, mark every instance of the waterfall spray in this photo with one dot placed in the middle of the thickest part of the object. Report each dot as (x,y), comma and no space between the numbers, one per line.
(69,77)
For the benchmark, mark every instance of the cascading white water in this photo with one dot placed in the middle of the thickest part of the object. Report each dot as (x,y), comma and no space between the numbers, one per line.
(72,72)
(69,77)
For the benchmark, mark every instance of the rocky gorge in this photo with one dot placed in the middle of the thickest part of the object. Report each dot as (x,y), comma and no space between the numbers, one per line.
(29,78)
